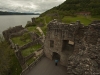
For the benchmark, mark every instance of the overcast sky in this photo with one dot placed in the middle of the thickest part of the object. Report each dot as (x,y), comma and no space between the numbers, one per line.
(28,5)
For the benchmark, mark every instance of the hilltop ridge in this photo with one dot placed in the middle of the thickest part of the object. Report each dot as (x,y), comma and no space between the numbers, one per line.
(16,13)
(71,7)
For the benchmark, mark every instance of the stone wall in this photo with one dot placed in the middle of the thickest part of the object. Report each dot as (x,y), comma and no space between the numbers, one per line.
(87,59)
(33,20)
(12,30)
(35,40)
(20,59)
(18,33)
(34,36)
(30,67)
(12,44)
(29,57)
(60,32)
(32,43)
(77,45)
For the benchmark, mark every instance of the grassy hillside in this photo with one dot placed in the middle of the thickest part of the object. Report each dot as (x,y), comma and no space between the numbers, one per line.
(74,6)
(9,65)
(71,7)
(70,11)
(83,19)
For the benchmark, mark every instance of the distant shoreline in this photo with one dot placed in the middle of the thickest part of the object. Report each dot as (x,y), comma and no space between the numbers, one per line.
(17,13)
(21,14)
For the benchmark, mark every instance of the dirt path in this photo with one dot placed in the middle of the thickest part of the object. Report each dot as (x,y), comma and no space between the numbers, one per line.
(40,30)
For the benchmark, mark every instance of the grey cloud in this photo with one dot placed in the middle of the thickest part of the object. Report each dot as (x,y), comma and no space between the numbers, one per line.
(28,5)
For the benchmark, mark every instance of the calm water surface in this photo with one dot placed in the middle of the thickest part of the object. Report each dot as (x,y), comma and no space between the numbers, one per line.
(14,20)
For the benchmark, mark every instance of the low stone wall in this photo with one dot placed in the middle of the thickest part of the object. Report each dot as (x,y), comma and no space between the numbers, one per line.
(20,59)
(30,56)
(18,33)
(32,43)
(40,42)
(10,31)
(24,72)
(12,44)
(18,50)
(34,35)
(40,48)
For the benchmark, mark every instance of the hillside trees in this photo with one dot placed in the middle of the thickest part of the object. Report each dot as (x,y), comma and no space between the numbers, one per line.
(9,64)
(76,6)
(5,53)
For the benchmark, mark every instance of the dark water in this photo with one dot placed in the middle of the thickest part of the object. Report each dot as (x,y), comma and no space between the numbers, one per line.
(14,20)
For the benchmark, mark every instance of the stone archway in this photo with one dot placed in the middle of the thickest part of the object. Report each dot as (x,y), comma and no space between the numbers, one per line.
(55,56)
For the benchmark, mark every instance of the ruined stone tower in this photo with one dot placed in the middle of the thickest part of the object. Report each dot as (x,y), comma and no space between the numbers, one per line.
(75,46)
(60,40)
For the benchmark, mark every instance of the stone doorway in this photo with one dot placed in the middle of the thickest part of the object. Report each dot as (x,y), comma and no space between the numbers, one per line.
(55,56)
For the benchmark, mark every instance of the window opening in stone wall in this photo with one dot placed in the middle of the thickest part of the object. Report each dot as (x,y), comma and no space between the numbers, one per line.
(51,43)
(67,45)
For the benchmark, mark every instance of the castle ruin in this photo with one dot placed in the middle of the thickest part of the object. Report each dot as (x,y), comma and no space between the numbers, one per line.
(75,46)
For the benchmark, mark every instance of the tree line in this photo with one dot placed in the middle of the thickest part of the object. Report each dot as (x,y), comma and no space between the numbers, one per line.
(16,13)
(70,7)
(9,64)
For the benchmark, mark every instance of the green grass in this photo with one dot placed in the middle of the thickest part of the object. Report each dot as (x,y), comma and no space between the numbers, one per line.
(33,29)
(16,68)
(9,64)
(30,50)
(21,40)
(28,62)
(47,19)
(82,19)
(44,29)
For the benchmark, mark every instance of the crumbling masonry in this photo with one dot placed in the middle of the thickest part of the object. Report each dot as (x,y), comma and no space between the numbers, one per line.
(19,31)
(75,46)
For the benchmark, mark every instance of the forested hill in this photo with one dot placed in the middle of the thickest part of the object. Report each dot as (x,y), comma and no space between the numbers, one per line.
(76,6)
(16,13)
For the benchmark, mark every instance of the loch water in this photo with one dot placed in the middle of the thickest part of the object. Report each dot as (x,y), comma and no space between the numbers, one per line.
(7,21)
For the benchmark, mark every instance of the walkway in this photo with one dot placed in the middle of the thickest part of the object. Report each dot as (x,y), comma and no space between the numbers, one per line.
(40,30)
(47,67)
